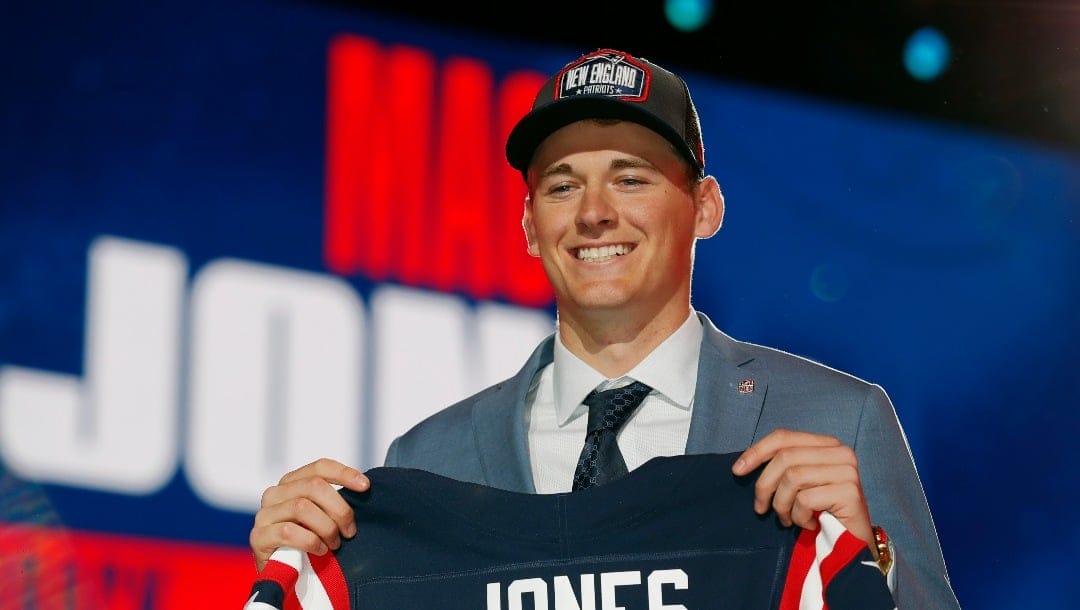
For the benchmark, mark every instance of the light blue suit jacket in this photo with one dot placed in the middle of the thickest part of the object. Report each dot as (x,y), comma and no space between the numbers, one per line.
(483,439)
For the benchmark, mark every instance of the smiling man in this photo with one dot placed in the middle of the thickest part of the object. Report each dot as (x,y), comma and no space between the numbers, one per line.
(613,212)
(618,196)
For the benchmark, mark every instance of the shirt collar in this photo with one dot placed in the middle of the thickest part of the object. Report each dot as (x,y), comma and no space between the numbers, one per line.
(671,370)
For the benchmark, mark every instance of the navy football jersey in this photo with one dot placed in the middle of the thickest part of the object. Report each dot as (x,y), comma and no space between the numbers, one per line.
(677,533)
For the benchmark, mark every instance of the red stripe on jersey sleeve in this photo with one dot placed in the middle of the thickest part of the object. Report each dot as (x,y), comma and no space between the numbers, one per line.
(332,578)
(802,558)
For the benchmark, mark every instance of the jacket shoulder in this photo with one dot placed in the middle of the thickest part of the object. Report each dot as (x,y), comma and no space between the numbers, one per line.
(779,363)
(450,437)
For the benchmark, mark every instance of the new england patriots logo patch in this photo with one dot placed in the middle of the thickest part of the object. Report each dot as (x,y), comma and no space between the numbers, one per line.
(607,73)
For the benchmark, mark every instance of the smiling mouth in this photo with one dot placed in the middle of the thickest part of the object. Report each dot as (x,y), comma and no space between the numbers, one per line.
(603,253)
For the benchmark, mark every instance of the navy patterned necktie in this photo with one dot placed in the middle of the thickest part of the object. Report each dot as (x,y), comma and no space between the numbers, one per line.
(600,460)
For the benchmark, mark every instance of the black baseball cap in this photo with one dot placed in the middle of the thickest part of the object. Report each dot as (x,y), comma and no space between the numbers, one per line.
(616,85)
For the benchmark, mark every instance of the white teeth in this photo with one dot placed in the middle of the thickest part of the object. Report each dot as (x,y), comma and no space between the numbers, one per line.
(603,253)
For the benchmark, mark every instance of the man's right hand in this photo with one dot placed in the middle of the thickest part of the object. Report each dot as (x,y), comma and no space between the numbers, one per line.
(305,511)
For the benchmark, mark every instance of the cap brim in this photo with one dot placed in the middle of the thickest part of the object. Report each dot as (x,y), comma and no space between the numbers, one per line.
(542,122)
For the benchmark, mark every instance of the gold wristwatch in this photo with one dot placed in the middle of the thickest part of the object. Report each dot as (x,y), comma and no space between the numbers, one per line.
(884,549)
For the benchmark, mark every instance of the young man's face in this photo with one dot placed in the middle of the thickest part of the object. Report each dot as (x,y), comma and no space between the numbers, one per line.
(613,216)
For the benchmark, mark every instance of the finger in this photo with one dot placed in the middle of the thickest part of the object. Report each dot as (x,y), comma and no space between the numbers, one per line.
(265,540)
(312,499)
(331,470)
(845,501)
(798,484)
(299,524)
(765,449)
(799,465)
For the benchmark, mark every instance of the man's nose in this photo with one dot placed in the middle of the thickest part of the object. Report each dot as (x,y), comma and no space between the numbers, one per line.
(595,210)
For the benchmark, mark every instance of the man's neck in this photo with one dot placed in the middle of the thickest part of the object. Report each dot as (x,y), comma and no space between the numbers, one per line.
(613,342)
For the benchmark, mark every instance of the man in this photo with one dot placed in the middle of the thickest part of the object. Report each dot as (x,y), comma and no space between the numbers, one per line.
(617,198)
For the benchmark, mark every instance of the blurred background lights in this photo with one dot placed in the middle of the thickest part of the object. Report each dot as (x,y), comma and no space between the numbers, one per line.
(926,54)
(688,15)
(829,282)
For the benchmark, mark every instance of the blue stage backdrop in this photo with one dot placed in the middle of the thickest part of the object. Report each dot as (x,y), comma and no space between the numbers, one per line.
(226,228)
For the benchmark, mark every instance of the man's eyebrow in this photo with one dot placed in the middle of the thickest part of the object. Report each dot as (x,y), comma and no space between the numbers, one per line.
(561,168)
(631,163)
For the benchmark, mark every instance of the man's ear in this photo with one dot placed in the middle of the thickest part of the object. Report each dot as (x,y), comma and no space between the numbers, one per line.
(530,228)
(709,203)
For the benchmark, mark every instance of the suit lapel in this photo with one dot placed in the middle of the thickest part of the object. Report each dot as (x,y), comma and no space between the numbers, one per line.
(729,397)
(499,420)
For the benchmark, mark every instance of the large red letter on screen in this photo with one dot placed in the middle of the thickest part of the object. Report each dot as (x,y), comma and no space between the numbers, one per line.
(417,189)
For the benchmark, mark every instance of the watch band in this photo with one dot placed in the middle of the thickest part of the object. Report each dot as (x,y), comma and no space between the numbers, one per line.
(884,549)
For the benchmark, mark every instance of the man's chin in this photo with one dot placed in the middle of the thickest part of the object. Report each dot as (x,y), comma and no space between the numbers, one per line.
(599,299)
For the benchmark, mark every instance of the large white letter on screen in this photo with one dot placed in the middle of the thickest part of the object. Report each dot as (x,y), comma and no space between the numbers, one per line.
(421,358)
(275,377)
(116,429)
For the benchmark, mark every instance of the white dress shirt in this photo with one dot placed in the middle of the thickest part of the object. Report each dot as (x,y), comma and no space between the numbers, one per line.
(660,425)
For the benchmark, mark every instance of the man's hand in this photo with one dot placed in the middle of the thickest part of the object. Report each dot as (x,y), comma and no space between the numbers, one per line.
(807,473)
(305,511)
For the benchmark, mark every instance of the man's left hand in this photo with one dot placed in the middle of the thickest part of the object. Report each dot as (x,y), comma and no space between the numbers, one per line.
(806,473)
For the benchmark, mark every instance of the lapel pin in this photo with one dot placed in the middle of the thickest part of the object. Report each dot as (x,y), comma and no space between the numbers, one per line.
(746,386)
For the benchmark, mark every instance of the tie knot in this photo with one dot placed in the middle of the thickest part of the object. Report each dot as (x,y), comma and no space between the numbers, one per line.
(609,409)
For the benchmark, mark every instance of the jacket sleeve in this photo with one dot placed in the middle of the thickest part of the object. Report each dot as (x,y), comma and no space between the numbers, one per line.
(898,503)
